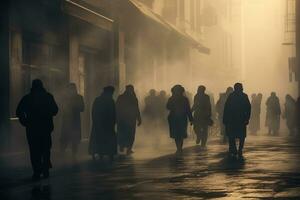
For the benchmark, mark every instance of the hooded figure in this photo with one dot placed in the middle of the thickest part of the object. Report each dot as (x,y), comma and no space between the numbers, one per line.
(254,123)
(71,122)
(236,118)
(179,113)
(35,111)
(103,139)
(202,115)
(290,114)
(273,114)
(128,116)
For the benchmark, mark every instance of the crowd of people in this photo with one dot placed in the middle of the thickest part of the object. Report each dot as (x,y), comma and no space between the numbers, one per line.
(114,122)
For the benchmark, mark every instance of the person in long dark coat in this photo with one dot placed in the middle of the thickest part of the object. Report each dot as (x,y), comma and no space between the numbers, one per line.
(220,111)
(103,140)
(179,113)
(255,112)
(71,122)
(236,117)
(128,117)
(202,115)
(290,114)
(273,114)
(298,115)
(35,111)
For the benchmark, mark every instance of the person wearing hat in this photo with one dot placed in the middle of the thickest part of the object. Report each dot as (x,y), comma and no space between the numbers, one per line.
(103,139)
(179,114)
(36,111)
(236,117)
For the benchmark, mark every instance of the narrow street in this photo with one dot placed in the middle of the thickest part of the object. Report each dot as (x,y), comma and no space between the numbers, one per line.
(270,170)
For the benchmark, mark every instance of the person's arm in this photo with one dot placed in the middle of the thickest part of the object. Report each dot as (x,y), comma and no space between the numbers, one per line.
(139,118)
(21,113)
(189,111)
(53,106)
(81,103)
(248,110)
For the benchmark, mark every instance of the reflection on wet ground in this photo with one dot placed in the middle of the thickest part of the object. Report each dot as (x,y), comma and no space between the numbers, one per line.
(269,170)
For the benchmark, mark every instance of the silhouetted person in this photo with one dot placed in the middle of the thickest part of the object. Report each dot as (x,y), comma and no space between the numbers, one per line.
(71,123)
(103,139)
(298,115)
(236,117)
(202,115)
(35,111)
(254,124)
(128,116)
(273,114)
(220,110)
(290,114)
(179,113)
(150,109)
(161,107)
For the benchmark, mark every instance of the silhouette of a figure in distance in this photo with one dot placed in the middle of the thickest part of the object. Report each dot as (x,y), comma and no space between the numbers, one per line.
(179,114)
(36,111)
(254,124)
(236,117)
(202,115)
(128,117)
(71,121)
(103,139)
(161,108)
(273,114)
(289,114)
(220,111)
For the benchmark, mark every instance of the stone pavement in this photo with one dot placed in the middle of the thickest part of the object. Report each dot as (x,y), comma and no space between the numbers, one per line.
(270,170)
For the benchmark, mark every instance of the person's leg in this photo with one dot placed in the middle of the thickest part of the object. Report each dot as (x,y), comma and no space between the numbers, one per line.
(204,136)
(241,145)
(45,149)
(179,144)
(35,153)
(232,146)
(131,142)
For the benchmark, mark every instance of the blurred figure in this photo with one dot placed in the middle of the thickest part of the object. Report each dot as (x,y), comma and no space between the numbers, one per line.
(103,139)
(220,111)
(151,103)
(202,115)
(128,116)
(236,118)
(161,108)
(179,112)
(254,124)
(35,111)
(273,114)
(71,123)
(298,115)
(289,114)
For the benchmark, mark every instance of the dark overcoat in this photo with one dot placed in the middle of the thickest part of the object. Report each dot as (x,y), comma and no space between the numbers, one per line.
(103,139)
(71,122)
(179,113)
(202,111)
(236,116)
(128,113)
(273,112)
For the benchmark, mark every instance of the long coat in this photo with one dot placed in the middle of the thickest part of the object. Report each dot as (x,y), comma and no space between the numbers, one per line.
(290,114)
(71,122)
(236,116)
(179,113)
(273,113)
(202,111)
(103,139)
(254,124)
(128,113)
